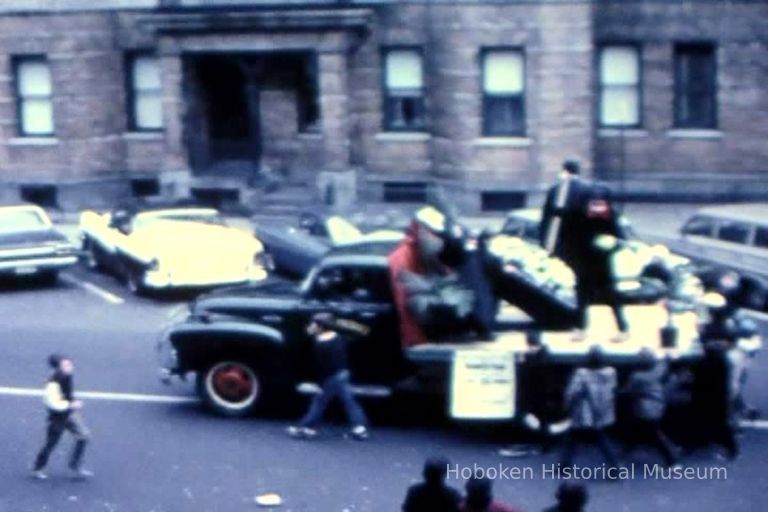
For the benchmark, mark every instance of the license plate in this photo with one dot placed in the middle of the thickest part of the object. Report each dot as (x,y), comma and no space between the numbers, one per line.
(25,271)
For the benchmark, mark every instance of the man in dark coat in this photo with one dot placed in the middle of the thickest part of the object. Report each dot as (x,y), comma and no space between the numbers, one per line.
(574,214)
(432,494)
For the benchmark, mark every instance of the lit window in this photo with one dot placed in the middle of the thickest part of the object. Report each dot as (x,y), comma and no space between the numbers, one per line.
(404,90)
(619,86)
(146,95)
(503,92)
(34,92)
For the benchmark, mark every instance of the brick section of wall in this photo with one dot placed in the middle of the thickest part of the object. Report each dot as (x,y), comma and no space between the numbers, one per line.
(740,31)
(89,102)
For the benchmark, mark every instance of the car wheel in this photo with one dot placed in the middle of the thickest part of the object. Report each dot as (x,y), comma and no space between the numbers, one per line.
(230,388)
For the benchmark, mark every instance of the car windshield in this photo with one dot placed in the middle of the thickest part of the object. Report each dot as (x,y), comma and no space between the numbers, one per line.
(18,219)
(195,216)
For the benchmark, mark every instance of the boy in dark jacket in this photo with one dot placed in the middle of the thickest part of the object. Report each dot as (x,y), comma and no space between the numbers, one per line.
(63,414)
(333,371)
(432,494)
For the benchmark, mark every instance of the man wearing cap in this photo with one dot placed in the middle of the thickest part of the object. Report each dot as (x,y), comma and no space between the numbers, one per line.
(574,214)
(333,372)
(63,414)
(417,254)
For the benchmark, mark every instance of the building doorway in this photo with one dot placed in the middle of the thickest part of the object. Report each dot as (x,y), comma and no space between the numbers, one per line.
(229,108)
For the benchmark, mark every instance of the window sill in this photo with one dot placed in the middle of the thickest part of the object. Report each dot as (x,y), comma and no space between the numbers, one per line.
(33,141)
(403,137)
(508,142)
(686,133)
(148,135)
(622,132)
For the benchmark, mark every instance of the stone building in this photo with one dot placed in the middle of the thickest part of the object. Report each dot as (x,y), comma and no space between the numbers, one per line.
(482,99)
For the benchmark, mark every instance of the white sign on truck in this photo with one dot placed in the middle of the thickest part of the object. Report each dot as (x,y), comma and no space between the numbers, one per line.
(483,384)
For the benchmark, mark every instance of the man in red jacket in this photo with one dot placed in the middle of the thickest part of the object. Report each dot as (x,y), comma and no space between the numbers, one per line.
(417,254)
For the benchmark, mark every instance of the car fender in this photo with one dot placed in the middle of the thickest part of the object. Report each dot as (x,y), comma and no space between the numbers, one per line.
(198,344)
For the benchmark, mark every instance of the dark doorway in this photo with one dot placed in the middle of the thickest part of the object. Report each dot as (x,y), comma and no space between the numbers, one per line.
(233,104)
(229,100)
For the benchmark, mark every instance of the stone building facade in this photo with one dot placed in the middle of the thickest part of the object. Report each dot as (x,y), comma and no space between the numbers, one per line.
(484,99)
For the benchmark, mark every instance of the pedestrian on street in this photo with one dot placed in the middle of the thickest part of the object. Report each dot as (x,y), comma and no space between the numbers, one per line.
(575,213)
(645,391)
(571,497)
(712,401)
(432,494)
(63,414)
(479,498)
(330,347)
(590,398)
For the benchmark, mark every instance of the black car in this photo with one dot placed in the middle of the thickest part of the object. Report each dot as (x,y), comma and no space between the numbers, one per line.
(30,245)
(295,248)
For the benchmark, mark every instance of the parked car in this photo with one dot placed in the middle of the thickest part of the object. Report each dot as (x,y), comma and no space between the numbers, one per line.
(730,242)
(295,249)
(249,342)
(30,245)
(154,248)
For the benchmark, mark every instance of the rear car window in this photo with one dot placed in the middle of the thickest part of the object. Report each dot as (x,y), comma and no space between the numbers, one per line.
(699,226)
(736,232)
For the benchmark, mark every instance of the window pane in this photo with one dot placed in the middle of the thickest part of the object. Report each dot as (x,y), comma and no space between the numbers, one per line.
(37,117)
(405,112)
(403,69)
(733,232)
(761,238)
(619,66)
(695,86)
(699,226)
(504,116)
(149,111)
(619,106)
(503,72)
(146,74)
(34,78)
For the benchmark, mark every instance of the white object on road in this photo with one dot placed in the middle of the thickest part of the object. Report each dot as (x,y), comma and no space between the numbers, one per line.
(268,500)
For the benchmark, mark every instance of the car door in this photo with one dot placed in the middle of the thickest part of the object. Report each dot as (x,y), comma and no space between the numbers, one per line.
(362,294)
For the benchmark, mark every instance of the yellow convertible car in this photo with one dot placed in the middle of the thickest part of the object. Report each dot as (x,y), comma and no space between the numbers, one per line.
(164,248)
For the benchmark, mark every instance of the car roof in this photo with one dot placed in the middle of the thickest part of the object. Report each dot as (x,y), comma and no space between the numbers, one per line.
(755,213)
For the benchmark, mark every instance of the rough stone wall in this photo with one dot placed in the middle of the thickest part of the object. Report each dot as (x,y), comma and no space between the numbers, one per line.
(740,32)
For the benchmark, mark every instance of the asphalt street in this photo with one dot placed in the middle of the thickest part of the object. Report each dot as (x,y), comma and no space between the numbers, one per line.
(155,449)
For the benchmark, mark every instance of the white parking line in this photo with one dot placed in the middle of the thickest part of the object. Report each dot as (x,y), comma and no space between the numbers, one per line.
(104,395)
(93,289)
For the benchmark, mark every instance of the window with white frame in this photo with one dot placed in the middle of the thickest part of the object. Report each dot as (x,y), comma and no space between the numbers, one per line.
(404,90)
(619,77)
(503,92)
(145,95)
(34,96)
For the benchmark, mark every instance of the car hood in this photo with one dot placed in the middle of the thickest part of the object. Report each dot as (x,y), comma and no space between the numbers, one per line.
(188,237)
(272,295)
(272,288)
(32,238)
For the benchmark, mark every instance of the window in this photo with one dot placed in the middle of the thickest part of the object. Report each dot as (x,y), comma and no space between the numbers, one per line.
(761,238)
(34,96)
(699,226)
(695,86)
(503,92)
(619,77)
(145,95)
(735,232)
(404,90)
